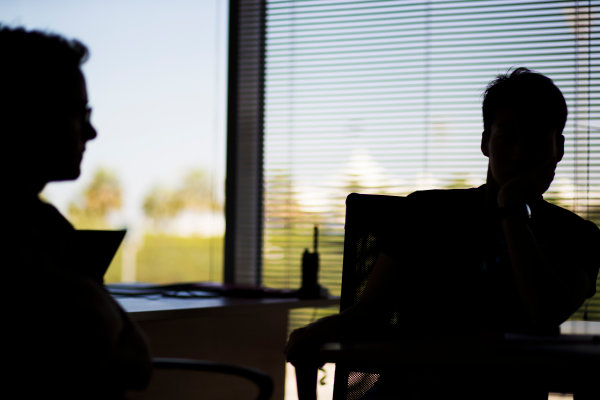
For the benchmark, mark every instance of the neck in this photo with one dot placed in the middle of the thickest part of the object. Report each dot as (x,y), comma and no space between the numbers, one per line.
(25,188)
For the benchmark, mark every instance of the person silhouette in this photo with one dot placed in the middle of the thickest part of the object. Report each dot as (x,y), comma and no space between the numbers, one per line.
(64,335)
(488,260)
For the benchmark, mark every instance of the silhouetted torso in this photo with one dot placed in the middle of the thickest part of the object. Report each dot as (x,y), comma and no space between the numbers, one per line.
(59,324)
(456,269)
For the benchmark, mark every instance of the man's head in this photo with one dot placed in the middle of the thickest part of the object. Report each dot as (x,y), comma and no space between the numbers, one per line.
(44,116)
(524,115)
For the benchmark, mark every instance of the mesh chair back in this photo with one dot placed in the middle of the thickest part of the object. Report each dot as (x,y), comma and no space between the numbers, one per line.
(369,219)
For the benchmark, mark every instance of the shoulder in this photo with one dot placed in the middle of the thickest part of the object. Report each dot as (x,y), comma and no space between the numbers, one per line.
(574,241)
(565,220)
(569,231)
(49,215)
(35,215)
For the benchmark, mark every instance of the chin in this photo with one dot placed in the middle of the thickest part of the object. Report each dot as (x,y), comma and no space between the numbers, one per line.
(66,175)
(74,175)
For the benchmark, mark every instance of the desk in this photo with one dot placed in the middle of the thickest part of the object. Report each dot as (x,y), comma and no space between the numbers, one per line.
(250,332)
(566,363)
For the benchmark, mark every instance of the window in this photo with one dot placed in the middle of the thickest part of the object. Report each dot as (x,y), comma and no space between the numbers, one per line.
(385,97)
(156,81)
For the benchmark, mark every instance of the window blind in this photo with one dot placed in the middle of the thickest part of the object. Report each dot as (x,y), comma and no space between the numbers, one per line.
(385,97)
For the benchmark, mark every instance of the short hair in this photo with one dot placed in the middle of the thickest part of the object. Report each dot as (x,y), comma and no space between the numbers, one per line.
(528,91)
(34,67)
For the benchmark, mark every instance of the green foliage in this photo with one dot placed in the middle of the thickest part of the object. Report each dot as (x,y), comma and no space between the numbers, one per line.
(161,203)
(193,193)
(168,259)
(101,196)
(160,258)
(458,182)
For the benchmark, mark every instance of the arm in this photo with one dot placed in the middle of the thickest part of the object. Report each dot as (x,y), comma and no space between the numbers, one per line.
(372,309)
(131,355)
(102,338)
(549,296)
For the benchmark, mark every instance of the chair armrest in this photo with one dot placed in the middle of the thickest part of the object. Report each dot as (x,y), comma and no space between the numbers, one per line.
(563,364)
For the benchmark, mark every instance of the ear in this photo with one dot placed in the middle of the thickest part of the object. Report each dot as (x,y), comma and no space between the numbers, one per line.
(560,147)
(485,140)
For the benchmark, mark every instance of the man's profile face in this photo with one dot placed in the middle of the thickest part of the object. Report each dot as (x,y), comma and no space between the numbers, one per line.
(520,144)
(64,130)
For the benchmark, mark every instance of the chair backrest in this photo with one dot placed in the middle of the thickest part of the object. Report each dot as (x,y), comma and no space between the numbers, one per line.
(369,219)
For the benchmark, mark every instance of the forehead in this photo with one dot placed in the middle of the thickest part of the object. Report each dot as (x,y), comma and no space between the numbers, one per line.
(515,118)
(64,89)
(73,85)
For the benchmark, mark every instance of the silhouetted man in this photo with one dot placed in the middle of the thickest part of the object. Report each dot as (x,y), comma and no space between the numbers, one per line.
(64,336)
(492,259)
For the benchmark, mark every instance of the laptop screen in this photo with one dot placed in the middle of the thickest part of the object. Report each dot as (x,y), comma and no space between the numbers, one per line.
(95,250)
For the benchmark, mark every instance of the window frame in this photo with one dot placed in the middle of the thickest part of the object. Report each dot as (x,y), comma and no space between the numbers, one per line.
(245,116)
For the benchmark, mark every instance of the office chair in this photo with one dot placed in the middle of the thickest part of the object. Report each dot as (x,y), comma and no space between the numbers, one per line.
(369,219)
(261,380)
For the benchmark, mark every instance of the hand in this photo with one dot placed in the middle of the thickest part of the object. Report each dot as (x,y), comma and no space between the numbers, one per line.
(528,186)
(303,345)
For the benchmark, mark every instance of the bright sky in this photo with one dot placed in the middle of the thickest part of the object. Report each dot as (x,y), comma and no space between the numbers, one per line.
(156,82)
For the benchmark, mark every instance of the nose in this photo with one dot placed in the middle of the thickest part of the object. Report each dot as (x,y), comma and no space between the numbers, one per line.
(528,154)
(90,132)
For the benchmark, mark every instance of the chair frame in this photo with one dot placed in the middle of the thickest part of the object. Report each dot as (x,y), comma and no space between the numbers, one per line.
(261,379)
(372,213)
(365,213)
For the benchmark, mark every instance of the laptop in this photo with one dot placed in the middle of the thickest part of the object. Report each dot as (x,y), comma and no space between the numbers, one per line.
(95,250)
